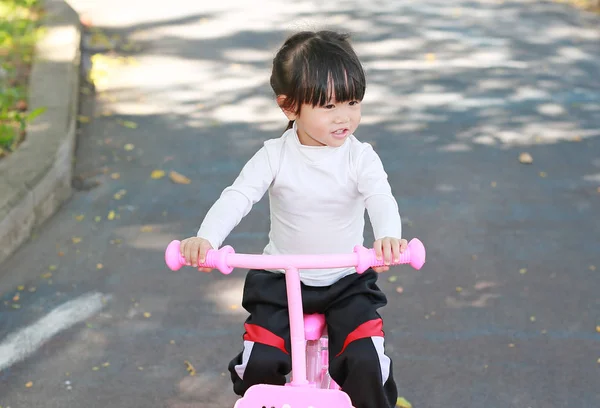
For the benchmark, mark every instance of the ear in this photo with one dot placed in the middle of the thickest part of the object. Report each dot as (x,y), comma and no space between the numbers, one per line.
(290,114)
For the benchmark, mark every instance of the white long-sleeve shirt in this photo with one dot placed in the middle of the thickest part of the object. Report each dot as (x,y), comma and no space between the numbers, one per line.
(318,196)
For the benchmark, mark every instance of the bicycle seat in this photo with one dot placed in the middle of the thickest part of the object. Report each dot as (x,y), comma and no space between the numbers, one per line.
(314,326)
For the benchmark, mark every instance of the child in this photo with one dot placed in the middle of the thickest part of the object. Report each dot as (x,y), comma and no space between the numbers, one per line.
(320,180)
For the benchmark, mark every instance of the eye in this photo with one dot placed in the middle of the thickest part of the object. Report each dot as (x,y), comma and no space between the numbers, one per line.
(354,103)
(330,106)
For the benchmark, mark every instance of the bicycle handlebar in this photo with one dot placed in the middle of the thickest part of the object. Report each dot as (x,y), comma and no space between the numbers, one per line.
(225,259)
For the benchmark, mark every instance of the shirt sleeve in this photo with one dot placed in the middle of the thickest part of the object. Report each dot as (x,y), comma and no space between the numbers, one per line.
(380,203)
(237,200)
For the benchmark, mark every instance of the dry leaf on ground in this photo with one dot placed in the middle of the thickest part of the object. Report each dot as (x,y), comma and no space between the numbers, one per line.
(190,368)
(525,158)
(157,174)
(127,123)
(403,403)
(179,178)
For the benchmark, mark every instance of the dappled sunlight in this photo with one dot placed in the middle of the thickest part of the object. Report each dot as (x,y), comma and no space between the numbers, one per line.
(594,178)
(212,69)
(477,297)
(227,295)
(148,236)
(53,45)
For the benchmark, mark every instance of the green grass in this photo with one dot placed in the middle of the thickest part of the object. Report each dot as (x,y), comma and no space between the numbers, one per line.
(19,29)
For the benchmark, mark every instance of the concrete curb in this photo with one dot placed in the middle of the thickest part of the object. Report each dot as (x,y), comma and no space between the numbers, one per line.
(36,179)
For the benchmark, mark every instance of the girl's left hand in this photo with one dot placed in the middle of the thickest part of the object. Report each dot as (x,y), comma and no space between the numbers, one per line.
(388,249)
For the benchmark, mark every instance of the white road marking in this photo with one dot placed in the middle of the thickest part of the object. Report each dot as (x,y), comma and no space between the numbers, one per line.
(18,346)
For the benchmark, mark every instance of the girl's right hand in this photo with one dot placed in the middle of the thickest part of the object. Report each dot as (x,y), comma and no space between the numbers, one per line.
(194,251)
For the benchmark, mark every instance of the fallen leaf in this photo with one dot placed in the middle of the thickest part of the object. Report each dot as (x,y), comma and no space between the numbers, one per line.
(61,253)
(105,364)
(99,266)
(97,218)
(172,342)
(592,267)
(393,278)
(79,217)
(46,275)
(598,329)
(190,368)
(543,174)
(83,119)
(115,176)
(403,403)
(523,271)
(76,240)
(511,345)
(14,306)
(127,123)
(525,158)
(146,228)
(95,368)
(20,287)
(532,319)
(129,147)
(16,297)
(32,289)
(399,289)
(29,384)
(179,178)
(111,215)
(459,289)
(147,315)
(119,194)
(157,174)
(493,184)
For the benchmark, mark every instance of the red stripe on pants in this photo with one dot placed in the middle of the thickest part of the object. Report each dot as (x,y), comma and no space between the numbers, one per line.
(261,335)
(371,328)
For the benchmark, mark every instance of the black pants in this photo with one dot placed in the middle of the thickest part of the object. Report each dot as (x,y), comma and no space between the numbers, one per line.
(355,329)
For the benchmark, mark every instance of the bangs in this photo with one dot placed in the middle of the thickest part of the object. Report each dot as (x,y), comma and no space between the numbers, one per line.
(325,75)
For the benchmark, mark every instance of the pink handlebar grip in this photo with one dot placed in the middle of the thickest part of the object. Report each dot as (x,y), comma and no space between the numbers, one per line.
(214,258)
(413,255)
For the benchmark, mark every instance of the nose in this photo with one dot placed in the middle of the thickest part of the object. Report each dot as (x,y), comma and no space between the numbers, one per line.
(342,117)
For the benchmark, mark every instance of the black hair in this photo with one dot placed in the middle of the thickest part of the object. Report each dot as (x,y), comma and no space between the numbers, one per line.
(312,67)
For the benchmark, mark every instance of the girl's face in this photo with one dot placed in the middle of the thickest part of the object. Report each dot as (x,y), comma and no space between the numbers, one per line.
(328,125)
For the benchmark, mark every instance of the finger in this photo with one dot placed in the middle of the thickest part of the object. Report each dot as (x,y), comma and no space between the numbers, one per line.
(182,248)
(380,269)
(396,250)
(203,250)
(188,253)
(206,270)
(387,251)
(377,247)
(194,254)
(403,245)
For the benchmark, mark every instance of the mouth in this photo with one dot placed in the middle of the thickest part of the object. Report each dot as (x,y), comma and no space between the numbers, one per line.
(340,133)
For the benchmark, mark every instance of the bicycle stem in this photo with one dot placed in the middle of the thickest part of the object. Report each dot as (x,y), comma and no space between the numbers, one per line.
(297,339)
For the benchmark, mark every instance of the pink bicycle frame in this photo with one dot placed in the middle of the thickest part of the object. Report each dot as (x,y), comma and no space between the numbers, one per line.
(225,260)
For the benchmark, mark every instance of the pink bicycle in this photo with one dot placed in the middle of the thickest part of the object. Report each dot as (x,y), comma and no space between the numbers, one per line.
(310,385)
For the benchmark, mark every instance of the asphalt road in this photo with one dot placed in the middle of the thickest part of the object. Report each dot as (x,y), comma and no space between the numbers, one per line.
(504,314)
